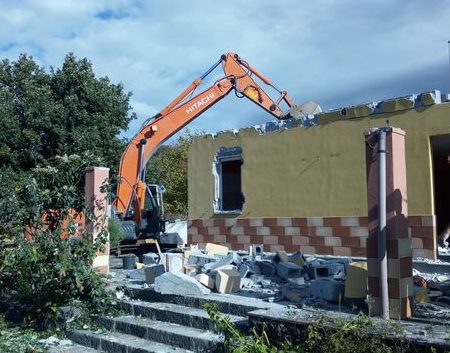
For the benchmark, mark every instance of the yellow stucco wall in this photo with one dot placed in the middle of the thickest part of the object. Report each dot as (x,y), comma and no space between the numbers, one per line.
(318,171)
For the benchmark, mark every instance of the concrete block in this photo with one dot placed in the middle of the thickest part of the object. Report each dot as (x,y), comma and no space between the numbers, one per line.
(214,249)
(231,259)
(430,98)
(328,269)
(298,258)
(267,268)
(200,259)
(206,280)
(396,104)
(295,293)
(328,289)
(243,270)
(256,250)
(150,259)
(153,271)
(247,283)
(180,284)
(257,278)
(282,256)
(139,265)
(228,281)
(174,262)
(297,280)
(356,280)
(287,270)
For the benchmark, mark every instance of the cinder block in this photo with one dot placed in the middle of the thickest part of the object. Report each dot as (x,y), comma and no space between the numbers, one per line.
(174,262)
(214,249)
(430,98)
(287,270)
(256,250)
(282,256)
(206,280)
(150,258)
(356,280)
(298,258)
(327,269)
(200,259)
(228,281)
(153,271)
(328,289)
(266,268)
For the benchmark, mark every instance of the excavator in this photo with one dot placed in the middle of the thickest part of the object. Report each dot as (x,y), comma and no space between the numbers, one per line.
(139,207)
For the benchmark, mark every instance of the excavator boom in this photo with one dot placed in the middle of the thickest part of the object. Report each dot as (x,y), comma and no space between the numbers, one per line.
(180,112)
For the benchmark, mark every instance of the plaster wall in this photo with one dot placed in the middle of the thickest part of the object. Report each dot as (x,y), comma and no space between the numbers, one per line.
(318,171)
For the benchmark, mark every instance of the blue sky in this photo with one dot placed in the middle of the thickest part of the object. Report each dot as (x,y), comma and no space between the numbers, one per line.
(334,52)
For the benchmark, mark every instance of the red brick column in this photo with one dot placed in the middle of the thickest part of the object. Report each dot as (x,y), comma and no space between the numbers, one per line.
(399,253)
(96,203)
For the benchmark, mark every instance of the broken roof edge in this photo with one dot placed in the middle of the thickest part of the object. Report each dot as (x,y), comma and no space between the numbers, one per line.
(391,105)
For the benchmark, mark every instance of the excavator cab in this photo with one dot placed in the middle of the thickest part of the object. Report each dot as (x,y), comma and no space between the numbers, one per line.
(152,221)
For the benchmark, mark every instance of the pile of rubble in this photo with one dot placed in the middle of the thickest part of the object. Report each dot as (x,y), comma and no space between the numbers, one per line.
(271,276)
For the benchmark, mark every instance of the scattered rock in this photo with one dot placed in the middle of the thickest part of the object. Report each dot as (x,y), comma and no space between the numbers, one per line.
(179,283)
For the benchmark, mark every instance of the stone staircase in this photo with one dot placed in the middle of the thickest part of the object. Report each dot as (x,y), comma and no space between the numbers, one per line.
(156,323)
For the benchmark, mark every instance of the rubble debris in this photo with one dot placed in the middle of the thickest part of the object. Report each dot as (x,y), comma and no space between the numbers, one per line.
(266,268)
(329,289)
(282,256)
(287,270)
(129,262)
(200,259)
(356,280)
(149,259)
(153,271)
(206,280)
(256,250)
(228,281)
(294,293)
(214,249)
(231,259)
(179,283)
(174,262)
(298,258)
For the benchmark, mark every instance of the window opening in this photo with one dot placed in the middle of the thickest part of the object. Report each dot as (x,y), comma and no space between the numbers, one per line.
(228,181)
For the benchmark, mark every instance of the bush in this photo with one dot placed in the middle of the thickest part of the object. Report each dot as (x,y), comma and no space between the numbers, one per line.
(51,270)
(325,335)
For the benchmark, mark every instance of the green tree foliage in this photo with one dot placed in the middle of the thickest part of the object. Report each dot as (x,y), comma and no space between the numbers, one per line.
(50,270)
(169,167)
(62,112)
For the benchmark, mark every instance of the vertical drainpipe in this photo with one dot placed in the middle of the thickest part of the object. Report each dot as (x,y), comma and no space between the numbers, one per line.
(382,253)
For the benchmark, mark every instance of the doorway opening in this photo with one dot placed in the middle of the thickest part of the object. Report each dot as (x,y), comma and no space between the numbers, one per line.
(440,146)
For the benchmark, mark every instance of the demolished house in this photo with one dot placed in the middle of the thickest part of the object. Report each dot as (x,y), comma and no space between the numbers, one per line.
(303,189)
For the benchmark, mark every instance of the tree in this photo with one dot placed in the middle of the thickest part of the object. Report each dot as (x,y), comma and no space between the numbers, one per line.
(169,167)
(62,112)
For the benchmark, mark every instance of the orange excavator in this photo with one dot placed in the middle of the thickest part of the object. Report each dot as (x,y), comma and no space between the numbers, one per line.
(139,206)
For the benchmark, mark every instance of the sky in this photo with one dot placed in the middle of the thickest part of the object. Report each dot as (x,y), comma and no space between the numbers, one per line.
(334,52)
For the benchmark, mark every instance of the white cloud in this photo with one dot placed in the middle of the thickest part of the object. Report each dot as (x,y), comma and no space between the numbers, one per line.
(337,52)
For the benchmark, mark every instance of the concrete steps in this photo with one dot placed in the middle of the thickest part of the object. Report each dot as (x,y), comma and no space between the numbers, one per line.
(120,343)
(178,314)
(165,332)
(166,323)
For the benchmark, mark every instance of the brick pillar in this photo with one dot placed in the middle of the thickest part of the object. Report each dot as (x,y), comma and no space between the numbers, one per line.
(96,202)
(399,252)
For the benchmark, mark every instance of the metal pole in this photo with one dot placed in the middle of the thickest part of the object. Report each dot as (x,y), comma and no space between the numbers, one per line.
(382,253)
(448,44)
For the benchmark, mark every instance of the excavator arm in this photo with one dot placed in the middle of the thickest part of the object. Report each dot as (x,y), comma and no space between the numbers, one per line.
(180,112)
